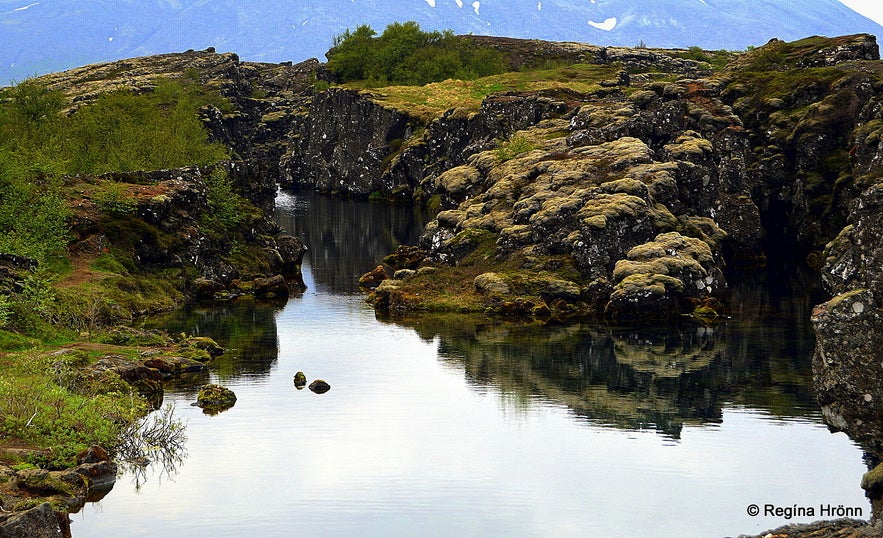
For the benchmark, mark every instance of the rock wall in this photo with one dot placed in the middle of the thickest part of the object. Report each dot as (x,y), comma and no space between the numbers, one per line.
(347,143)
(169,227)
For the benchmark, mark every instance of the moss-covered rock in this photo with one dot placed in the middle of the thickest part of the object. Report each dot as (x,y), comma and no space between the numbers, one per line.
(300,380)
(491,284)
(215,398)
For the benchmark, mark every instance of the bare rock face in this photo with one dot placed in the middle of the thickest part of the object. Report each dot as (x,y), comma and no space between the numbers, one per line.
(348,142)
(849,327)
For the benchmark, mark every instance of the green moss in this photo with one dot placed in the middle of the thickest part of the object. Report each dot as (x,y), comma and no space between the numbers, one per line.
(596,211)
(873,479)
(690,145)
(516,145)
(714,59)
(107,263)
(652,283)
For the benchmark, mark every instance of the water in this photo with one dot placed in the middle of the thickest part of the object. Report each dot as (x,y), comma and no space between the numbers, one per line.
(463,426)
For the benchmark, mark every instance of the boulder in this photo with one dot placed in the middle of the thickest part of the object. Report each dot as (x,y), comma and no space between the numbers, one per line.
(372,279)
(320,387)
(405,257)
(300,380)
(146,380)
(274,286)
(491,284)
(39,522)
(291,252)
(215,397)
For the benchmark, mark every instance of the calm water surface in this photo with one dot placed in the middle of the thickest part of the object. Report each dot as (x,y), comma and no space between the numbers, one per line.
(462,426)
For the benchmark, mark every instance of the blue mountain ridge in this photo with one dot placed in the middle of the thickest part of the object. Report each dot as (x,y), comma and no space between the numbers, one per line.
(41,36)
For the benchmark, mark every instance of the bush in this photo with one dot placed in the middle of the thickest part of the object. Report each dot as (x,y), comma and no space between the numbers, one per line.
(406,55)
(38,411)
(120,132)
(123,131)
(115,198)
(225,206)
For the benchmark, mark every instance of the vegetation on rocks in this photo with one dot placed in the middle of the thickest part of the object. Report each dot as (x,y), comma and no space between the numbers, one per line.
(567,181)
(644,185)
(88,240)
(57,401)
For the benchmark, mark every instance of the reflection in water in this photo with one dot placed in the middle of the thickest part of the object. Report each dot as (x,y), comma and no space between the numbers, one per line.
(346,238)
(154,445)
(634,378)
(463,425)
(245,328)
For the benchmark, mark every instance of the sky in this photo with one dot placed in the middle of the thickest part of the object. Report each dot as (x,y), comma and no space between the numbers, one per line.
(872,9)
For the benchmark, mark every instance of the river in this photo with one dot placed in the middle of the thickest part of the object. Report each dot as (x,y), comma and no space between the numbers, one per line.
(467,426)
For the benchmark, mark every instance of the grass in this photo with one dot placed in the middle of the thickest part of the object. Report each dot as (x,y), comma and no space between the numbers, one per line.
(429,102)
(716,59)
(42,408)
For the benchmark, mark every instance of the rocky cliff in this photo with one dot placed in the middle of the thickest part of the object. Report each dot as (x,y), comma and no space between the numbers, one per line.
(632,200)
(626,184)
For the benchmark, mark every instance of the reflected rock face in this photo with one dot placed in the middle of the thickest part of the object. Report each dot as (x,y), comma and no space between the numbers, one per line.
(632,379)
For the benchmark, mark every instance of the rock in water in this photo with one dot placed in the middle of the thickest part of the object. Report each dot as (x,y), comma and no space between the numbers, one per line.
(319,387)
(300,380)
(215,397)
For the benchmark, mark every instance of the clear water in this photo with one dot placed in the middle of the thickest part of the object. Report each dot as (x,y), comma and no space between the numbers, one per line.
(463,426)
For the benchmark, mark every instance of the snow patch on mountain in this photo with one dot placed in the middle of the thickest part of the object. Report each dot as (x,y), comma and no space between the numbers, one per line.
(475,6)
(431,3)
(26,7)
(608,24)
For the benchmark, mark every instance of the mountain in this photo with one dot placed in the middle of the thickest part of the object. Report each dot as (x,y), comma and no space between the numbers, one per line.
(50,35)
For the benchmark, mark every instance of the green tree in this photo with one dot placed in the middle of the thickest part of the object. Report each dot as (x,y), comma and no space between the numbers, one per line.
(406,55)
(351,53)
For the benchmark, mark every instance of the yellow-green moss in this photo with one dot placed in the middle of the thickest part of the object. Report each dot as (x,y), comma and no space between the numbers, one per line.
(596,211)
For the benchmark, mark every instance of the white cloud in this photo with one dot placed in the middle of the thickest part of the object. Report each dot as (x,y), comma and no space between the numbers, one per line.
(459,3)
(431,3)
(475,6)
(26,7)
(607,25)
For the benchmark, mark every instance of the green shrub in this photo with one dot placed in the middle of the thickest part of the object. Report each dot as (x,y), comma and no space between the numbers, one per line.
(123,131)
(226,207)
(115,198)
(50,416)
(120,131)
(406,55)
(5,310)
